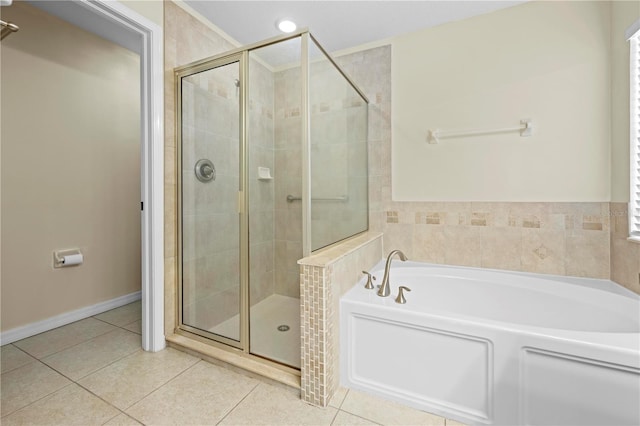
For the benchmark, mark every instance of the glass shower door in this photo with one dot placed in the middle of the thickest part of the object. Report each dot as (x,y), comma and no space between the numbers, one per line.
(210,181)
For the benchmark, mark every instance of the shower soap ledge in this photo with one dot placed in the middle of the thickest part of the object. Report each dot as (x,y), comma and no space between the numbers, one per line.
(264,173)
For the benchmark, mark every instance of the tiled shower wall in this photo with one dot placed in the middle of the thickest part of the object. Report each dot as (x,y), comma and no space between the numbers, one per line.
(288,180)
(261,192)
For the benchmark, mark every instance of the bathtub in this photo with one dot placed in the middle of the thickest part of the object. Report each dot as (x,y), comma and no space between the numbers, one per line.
(494,347)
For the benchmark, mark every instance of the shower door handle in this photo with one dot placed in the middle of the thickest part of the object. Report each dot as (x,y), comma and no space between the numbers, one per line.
(240,202)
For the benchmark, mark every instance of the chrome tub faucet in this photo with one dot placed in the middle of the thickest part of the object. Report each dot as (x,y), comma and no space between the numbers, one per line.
(385,289)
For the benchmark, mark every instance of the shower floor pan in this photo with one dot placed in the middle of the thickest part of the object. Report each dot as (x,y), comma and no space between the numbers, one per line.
(267,318)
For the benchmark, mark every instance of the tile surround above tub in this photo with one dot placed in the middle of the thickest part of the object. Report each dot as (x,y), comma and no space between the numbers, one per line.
(625,254)
(557,238)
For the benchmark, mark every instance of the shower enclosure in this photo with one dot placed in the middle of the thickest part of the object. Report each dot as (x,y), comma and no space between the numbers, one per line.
(272,155)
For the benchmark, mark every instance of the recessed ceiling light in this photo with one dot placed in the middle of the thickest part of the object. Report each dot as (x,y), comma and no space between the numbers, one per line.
(286,26)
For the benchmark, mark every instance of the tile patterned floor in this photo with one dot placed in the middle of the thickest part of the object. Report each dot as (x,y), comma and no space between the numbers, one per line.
(93,372)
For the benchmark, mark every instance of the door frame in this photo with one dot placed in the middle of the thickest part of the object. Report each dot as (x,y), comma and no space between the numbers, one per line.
(117,17)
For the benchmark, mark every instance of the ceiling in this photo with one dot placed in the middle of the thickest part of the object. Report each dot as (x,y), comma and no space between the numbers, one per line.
(338,25)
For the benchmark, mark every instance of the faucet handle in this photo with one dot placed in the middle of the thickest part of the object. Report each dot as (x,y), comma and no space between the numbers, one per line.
(369,285)
(400,299)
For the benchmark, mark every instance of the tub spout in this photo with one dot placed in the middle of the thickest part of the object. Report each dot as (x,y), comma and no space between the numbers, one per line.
(385,289)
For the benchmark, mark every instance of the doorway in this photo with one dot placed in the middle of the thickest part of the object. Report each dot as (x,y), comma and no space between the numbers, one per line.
(112,18)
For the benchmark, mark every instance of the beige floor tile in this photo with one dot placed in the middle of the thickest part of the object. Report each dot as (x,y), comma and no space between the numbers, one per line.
(346,419)
(204,394)
(338,397)
(71,405)
(87,357)
(386,412)
(123,315)
(12,358)
(26,384)
(269,405)
(135,326)
(53,341)
(122,420)
(127,381)
(450,422)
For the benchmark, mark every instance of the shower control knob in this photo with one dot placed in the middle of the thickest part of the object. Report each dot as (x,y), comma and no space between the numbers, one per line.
(205,170)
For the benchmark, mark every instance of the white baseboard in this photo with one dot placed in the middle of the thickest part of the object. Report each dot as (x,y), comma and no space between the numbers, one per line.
(34,328)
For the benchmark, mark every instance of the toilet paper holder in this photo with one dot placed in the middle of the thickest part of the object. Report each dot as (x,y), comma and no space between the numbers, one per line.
(65,258)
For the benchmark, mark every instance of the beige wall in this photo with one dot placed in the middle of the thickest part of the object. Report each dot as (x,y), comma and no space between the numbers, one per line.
(70,167)
(150,9)
(548,61)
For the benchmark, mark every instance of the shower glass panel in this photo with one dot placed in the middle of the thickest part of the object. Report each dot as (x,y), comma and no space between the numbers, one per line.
(274,139)
(210,159)
(338,138)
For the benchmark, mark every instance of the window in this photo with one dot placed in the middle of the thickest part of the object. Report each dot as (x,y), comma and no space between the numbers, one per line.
(634,132)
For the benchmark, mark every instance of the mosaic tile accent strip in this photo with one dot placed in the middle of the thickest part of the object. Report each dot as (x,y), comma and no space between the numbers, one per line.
(324,277)
(530,222)
(480,219)
(430,218)
(315,327)
(592,223)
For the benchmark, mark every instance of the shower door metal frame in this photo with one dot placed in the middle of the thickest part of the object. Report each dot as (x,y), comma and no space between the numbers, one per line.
(179,73)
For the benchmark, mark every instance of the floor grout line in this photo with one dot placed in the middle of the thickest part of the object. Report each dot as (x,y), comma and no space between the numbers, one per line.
(76,382)
(20,366)
(103,400)
(81,386)
(39,399)
(361,417)
(334,416)
(343,399)
(103,367)
(239,402)
(160,387)
(123,411)
(72,346)
(163,384)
